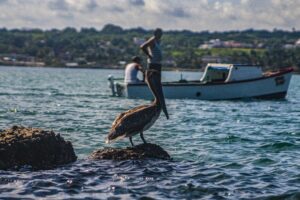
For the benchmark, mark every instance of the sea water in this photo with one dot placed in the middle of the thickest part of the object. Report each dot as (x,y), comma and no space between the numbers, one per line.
(220,149)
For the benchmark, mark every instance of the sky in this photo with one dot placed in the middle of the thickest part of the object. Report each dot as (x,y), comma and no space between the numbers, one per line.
(195,15)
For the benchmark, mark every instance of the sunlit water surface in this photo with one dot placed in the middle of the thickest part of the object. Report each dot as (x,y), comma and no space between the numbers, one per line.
(220,149)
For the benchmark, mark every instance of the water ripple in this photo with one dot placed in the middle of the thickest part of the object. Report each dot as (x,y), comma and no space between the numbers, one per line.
(220,149)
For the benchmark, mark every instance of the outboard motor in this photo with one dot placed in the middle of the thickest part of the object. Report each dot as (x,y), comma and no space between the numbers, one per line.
(111,84)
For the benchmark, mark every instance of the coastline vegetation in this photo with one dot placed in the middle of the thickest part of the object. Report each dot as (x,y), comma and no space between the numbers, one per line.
(113,46)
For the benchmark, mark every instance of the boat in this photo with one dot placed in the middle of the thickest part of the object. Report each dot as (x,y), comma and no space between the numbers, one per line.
(218,82)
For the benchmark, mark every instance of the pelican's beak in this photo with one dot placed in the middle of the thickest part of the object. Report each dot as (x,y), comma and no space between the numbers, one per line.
(154,81)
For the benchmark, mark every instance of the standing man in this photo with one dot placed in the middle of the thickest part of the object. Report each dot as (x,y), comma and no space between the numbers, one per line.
(153,51)
(132,70)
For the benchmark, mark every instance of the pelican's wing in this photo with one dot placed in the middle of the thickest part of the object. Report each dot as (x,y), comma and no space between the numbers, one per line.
(132,122)
(120,116)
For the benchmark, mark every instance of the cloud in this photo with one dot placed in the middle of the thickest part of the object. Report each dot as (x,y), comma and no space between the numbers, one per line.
(71,5)
(3,1)
(58,5)
(92,5)
(195,15)
(137,2)
(115,8)
(178,12)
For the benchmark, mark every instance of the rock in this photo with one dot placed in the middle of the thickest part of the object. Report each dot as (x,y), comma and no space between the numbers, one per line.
(35,147)
(142,151)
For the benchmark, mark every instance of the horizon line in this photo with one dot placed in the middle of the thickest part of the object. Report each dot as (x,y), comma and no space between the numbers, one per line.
(275,29)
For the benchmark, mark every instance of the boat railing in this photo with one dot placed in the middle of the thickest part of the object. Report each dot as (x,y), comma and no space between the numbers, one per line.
(113,84)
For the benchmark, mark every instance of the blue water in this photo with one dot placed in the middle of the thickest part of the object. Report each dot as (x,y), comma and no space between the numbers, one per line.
(220,149)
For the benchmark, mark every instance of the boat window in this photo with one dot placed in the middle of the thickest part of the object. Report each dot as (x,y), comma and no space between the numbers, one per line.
(216,75)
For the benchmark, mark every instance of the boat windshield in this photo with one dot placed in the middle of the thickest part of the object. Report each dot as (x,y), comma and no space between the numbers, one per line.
(215,74)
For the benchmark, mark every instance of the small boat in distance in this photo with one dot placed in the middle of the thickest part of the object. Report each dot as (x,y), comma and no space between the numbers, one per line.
(218,82)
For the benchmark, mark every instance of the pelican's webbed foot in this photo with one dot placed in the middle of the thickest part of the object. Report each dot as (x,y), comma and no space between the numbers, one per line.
(130,139)
(142,136)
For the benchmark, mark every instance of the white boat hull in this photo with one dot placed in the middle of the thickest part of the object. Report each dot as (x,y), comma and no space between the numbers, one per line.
(271,87)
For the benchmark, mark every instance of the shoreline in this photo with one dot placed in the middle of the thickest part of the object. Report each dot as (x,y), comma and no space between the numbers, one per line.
(116,68)
(110,68)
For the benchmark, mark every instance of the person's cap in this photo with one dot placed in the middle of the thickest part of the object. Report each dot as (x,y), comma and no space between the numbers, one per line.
(136,59)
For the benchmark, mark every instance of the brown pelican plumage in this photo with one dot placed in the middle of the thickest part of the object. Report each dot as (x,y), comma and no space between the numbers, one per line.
(140,118)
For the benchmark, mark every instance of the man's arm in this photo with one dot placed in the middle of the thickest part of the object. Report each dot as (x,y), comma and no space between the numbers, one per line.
(140,68)
(145,46)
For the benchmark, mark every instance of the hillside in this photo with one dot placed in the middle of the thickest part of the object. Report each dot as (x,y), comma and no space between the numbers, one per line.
(113,46)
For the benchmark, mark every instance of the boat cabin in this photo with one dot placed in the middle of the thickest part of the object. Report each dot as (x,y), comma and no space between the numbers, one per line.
(220,73)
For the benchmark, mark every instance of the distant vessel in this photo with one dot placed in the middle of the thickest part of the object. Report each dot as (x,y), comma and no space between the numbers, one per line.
(219,82)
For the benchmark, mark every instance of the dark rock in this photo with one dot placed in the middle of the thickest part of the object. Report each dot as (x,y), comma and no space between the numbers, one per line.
(35,147)
(142,151)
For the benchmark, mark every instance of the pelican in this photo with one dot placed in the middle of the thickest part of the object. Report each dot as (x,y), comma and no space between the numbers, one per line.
(141,118)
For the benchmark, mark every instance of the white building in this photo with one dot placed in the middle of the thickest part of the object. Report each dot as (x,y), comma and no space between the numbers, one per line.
(213,43)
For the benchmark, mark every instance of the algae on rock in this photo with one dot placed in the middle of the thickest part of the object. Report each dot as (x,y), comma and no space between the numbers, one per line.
(142,151)
(35,147)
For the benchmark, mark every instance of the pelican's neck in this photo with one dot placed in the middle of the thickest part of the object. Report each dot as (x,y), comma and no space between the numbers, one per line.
(157,103)
(154,87)
(154,82)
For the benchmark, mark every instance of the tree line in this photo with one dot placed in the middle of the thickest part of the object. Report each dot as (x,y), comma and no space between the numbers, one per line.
(112,44)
